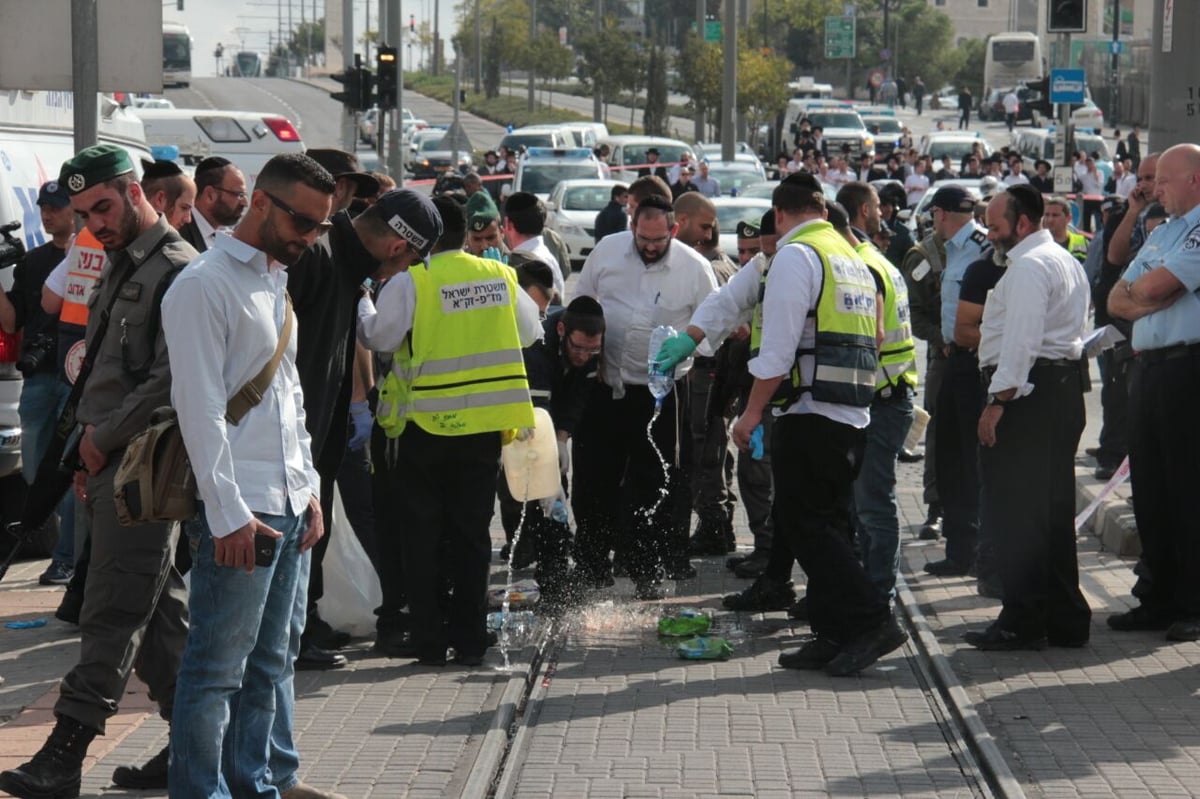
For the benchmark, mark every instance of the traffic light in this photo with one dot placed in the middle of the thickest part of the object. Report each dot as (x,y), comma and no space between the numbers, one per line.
(385,77)
(412,24)
(357,94)
(1067,16)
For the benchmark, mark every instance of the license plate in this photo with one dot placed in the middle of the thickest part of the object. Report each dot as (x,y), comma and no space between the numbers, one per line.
(10,441)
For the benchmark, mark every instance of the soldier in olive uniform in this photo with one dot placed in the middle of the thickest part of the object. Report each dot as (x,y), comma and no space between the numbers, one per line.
(922,269)
(484,233)
(135,604)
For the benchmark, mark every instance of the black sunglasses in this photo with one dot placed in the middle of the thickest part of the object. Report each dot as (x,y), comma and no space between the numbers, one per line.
(303,223)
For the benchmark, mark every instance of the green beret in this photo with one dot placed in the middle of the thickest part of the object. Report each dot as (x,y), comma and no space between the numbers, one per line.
(482,220)
(94,165)
(746,230)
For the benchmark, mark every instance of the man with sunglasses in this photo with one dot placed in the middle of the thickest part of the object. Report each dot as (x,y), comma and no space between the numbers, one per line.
(259,487)
(220,201)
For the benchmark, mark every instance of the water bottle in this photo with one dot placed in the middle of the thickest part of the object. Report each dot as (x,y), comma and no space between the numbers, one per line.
(558,512)
(660,382)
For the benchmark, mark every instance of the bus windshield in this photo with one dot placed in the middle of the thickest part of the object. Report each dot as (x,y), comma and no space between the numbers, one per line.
(177,55)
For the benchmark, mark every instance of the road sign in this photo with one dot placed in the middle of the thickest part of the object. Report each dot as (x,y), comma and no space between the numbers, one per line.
(1066,85)
(876,78)
(1116,47)
(1064,179)
(839,37)
(712,30)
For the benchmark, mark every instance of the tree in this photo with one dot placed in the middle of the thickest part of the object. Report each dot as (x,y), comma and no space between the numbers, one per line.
(547,59)
(655,117)
(608,61)
(762,87)
(307,39)
(970,70)
(700,66)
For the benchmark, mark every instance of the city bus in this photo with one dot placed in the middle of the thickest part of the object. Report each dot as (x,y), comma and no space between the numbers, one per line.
(177,55)
(1012,59)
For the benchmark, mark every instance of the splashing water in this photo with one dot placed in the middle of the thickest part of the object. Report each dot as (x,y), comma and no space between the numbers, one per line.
(505,615)
(663,491)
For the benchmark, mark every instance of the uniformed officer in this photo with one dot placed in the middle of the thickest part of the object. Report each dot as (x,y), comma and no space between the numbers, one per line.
(457,382)
(1158,293)
(747,242)
(922,267)
(1057,220)
(135,608)
(953,220)
(484,233)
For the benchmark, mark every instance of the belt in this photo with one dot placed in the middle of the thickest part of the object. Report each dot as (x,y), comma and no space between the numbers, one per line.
(1061,363)
(957,350)
(704,362)
(1168,353)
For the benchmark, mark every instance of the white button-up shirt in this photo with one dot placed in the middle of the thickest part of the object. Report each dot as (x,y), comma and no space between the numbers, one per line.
(222,318)
(793,289)
(207,231)
(536,247)
(638,297)
(1038,309)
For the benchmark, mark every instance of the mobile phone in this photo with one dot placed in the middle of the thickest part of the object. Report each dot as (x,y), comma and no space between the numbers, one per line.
(264,549)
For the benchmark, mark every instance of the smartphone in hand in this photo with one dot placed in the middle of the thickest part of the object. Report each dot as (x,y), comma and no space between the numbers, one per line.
(264,549)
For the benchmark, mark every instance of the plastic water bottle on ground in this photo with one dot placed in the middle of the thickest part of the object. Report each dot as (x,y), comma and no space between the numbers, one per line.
(660,382)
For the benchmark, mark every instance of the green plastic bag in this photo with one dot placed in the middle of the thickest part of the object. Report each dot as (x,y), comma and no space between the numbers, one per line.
(684,622)
(704,648)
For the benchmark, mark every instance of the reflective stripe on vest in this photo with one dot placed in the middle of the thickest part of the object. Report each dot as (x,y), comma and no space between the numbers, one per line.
(460,371)
(845,359)
(896,360)
(86,261)
(1077,245)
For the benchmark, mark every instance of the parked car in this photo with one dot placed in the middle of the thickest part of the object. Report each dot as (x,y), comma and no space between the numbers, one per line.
(432,158)
(540,169)
(730,211)
(571,212)
(745,170)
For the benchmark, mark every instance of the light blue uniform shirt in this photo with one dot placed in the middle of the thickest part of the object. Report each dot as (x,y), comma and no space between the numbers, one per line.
(1174,244)
(962,250)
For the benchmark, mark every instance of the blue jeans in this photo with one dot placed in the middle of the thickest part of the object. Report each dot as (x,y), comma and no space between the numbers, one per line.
(875,489)
(42,400)
(237,670)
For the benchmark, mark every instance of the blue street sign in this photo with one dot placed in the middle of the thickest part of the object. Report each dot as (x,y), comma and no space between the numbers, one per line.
(1066,85)
(1116,48)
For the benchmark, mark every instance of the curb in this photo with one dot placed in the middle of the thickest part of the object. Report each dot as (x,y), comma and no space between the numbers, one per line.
(1113,522)
(979,741)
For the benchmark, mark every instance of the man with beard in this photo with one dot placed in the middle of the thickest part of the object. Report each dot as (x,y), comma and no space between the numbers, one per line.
(172,193)
(642,279)
(224,317)
(134,614)
(1030,343)
(220,201)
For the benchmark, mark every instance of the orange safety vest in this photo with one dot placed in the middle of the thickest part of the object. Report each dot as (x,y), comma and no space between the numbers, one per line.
(86,260)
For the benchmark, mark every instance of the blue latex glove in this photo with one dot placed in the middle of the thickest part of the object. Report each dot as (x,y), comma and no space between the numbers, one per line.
(361,421)
(675,350)
(756,443)
(494,254)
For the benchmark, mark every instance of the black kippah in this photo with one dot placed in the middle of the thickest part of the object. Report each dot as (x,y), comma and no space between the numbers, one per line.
(152,170)
(585,306)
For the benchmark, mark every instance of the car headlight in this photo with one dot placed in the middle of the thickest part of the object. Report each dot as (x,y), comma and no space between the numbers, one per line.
(868,142)
(570,229)
(424,162)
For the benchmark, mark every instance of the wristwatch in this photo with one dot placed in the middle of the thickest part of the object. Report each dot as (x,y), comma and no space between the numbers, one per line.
(994,399)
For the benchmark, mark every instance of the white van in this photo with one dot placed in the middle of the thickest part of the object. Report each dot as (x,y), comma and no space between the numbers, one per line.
(246,138)
(627,154)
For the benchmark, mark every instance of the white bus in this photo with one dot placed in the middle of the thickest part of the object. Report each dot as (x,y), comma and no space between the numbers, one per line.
(1012,59)
(177,55)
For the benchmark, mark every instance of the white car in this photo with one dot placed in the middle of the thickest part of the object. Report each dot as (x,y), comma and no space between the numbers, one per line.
(744,170)
(955,143)
(919,215)
(1088,115)
(540,169)
(730,211)
(368,125)
(571,212)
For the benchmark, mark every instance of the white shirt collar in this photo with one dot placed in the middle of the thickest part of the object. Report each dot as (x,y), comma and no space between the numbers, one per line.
(207,231)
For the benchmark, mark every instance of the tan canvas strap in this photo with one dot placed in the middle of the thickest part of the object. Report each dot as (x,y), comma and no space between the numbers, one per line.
(252,393)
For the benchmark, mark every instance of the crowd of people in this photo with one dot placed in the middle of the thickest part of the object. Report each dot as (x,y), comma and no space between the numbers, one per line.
(322,331)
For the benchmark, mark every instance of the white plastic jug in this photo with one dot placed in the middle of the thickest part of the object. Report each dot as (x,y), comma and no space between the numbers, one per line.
(531,467)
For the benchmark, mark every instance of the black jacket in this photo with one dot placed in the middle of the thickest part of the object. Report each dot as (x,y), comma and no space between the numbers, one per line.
(553,383)
(611,219)
(191,234)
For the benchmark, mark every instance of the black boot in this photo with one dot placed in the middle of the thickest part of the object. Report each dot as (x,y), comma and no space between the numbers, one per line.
(57,768)
(153,775)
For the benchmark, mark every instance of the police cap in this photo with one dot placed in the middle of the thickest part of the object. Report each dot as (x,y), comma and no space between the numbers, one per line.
(747,230)
(953,199)
(480,221)
(94,165)
(413,217)
(54,194)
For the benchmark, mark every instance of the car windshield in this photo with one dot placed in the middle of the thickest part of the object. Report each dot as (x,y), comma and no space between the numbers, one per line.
(728,215)
(956,149)
(735,176)
(829,119)
(432,143)
(886,125)
(1091,143)
(667,153)
(542,178)
(586,198)
(761,189)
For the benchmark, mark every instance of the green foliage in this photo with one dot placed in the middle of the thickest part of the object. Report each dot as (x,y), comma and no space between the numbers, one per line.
(700,66)
(308,38)
(608,62)
(655,116)
(970,70)
(921,38)
(762,86)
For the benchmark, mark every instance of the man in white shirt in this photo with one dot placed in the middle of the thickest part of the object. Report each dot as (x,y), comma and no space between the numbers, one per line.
(1016,174)
(1124,179)
(1012,104)
(524,222)
(916,184)
(1031,341)
(261,512)
(642,278)
(821,405)
(220,201)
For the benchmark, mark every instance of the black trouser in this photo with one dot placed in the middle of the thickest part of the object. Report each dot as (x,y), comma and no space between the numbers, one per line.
(548,540)
(935,369)
(390,525)
(617,478)
(1165,471)
(444,489)
(964,118)
(1029,500)
(958,406)
(354,485)
(815,461)
(1114,403)
(712,467)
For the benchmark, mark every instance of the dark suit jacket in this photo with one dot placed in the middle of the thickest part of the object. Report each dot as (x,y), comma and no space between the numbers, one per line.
(191,234)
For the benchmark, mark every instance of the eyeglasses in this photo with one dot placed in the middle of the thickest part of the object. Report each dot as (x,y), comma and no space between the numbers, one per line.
(582,349)
(241,195)
(646,240)
(303,223)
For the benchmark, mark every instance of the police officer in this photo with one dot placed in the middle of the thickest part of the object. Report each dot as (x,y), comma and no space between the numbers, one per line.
(457,382)
(484,233)
(1057,222)
(953,220)
(1157,293)
(135,612)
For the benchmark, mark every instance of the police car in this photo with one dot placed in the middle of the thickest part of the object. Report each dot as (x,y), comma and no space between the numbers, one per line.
(885,127)
(540,169)
(839,122)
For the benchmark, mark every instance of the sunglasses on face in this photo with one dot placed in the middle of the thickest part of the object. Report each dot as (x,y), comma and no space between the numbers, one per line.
(302,223)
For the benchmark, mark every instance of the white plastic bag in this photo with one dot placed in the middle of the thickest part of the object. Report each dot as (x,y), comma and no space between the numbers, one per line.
(351,585)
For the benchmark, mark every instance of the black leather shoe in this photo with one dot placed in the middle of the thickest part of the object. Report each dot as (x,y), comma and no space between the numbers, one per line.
(753,566)
(70,607)
(394,644)
(1092,451)
(153,775)
(56,769)
(867,648)
(997,639)
(732,562)
(504,552)
(906,456)
(1184,630)
(762,595)
(813,656)
(471,661)
(947,568)
(1104,473)
(323,635)
(1140,618)
(992,589)
(799,609)
(314,658)
(1067,641)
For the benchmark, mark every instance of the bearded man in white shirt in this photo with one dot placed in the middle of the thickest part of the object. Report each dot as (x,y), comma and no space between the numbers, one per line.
(261,512)
(1031,342)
